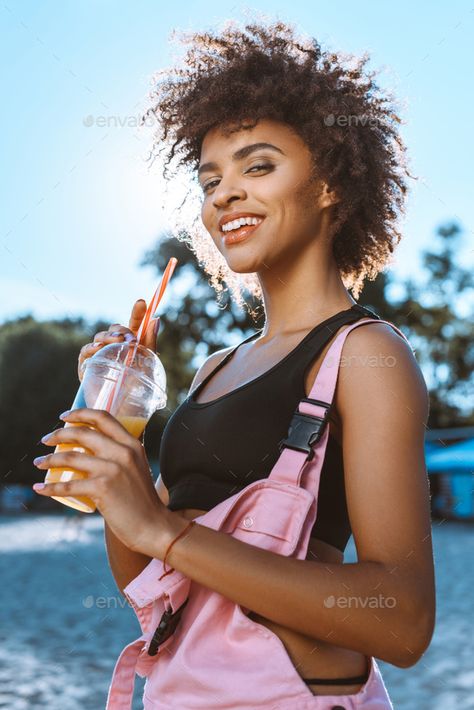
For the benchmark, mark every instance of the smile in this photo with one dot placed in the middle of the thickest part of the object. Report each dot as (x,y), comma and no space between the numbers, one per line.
(238,235)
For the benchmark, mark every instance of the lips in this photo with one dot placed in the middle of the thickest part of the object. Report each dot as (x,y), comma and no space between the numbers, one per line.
(238,235)
(235,215)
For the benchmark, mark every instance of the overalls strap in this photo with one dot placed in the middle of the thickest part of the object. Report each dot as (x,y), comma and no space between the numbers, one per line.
(305,446)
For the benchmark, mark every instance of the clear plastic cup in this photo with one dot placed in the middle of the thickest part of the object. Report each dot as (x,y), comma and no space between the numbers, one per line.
(136,391)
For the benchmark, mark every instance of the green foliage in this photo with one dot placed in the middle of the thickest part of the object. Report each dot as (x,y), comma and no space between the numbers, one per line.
(38,360)
(438,315)
(38,380)
(196,322)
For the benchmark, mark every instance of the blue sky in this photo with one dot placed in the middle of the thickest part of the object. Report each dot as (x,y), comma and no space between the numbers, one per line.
(79,204)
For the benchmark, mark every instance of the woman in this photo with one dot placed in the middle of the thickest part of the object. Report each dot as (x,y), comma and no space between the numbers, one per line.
(304,150)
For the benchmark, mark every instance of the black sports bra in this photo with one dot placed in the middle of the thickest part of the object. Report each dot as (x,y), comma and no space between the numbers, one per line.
(211,450)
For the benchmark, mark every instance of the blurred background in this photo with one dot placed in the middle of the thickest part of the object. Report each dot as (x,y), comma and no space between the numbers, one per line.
(83,235)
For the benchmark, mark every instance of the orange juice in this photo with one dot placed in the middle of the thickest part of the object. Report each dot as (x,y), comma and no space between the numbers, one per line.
(134,425)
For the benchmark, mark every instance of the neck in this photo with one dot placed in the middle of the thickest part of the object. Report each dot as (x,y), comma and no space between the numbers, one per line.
(302,293)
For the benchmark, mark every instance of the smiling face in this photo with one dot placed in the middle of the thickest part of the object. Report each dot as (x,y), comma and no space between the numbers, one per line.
(264,172)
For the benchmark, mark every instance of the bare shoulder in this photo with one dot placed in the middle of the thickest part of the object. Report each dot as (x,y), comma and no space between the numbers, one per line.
(379,366)
(375,361)
(377,353)
(375,334)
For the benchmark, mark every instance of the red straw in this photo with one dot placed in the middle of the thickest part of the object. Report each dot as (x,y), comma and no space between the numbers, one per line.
(156,299)
(154,303)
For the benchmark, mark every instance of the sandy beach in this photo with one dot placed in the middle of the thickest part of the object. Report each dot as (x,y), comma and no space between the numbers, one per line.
(64,622)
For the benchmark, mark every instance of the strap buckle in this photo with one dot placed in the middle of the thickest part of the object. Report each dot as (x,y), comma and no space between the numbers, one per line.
(306,429)
(165,628)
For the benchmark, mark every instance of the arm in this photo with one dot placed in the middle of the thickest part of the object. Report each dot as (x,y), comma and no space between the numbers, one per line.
(383,408)
(127,564)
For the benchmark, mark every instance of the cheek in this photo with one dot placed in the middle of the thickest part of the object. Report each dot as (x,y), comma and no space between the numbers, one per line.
(306,198)
(206,219)
(287,191)
(204,214)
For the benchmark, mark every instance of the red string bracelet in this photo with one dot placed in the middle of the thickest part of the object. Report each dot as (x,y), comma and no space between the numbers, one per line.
(192,522)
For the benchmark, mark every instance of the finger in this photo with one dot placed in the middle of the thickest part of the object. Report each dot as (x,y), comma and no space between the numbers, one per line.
(151,333)
(137,315)
(117,329)
(79,487)
(94,441)
(86,352)
(101,420)
(89,349)
(128,337)
(100,335)
(116,334)
(112,336)
(76,461)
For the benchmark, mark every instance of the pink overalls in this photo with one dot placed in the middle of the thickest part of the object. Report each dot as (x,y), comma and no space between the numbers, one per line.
(198,649)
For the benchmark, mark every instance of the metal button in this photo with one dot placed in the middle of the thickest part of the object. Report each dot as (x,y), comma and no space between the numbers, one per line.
(248,522)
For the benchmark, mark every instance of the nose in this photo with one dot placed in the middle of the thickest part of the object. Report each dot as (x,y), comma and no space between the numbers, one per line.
(226,193)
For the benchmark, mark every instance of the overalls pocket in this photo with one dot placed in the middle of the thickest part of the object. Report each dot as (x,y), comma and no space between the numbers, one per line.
(271,516)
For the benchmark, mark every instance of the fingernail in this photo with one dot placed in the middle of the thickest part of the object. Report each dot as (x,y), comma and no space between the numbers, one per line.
(115,335)
(130,338)
(38,459)
(38,486)
(64,414)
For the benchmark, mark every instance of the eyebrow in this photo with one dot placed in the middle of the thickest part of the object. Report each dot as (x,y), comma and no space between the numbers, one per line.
(240,154)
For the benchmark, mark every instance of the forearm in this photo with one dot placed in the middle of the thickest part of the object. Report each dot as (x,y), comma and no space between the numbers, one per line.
(329,602)
(124,563)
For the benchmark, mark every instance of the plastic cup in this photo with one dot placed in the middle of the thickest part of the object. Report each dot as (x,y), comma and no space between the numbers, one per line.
(132,386)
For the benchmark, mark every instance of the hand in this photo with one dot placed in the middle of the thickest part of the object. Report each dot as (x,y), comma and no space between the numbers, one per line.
(118,333)
(119,479)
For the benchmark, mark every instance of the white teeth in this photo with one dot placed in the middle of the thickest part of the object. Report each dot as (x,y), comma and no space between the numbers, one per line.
(236,223)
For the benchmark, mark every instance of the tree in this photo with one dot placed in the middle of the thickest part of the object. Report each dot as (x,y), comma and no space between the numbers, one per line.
(38,360)
(38,380)
(196,324)
(437,314)
(427,313)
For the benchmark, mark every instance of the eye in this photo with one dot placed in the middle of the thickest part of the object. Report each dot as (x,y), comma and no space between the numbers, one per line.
(260,166)
(206,187)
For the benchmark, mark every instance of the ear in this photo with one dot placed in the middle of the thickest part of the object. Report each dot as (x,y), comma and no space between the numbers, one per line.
(327,197)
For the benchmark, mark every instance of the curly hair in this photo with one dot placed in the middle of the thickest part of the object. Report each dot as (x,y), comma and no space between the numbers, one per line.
(329,99)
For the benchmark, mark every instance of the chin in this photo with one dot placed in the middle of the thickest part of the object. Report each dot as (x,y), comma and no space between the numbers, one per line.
(244,263)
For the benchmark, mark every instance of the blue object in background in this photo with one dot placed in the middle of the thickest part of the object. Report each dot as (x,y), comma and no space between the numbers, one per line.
(451,470)
(457,457)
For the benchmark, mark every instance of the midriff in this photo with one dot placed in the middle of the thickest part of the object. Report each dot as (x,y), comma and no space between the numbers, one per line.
(312,657)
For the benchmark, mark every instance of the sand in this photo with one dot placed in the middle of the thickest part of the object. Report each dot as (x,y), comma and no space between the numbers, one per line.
(64,623)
